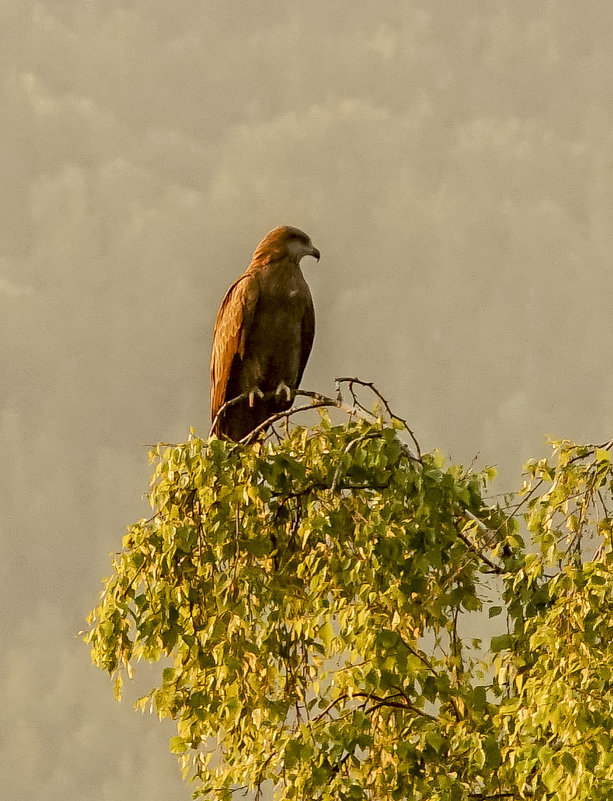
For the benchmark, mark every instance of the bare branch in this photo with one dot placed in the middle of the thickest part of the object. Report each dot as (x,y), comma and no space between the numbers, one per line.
(380,701)
(318,399)
(228,405)
(321,401)
(330,705)
(387,701)
(370,385)
(477,551)
(281,415)
(494,796)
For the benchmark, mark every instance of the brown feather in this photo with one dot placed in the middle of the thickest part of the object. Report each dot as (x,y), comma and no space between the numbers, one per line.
(263,333)
(231,329)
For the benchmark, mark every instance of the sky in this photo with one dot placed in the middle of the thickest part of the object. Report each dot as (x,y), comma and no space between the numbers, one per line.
(451,161)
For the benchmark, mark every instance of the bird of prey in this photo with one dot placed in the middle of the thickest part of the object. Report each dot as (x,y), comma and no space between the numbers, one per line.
(263,335)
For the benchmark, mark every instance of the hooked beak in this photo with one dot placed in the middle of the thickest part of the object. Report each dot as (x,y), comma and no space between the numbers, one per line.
(315,253)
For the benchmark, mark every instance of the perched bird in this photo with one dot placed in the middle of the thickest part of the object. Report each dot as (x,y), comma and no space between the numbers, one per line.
(263,335)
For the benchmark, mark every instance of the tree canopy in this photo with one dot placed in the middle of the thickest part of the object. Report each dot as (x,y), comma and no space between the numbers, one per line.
(317,591)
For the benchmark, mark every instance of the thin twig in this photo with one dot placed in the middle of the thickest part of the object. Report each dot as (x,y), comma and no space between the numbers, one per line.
(329,707)
(280,415)
(382,701)
(477,551)
(319,401)
(495,795)
(379,703)
(369,385)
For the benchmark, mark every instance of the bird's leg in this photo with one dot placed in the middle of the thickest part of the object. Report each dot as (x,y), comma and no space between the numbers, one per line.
(283,391)
(255,393)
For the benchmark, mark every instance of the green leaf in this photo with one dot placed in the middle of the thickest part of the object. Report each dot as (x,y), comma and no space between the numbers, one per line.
(434,739)
(317,622)
(258,547)
(493,757)
(387,639)
(178,745)
(500,642)
(326,632)
(117,687)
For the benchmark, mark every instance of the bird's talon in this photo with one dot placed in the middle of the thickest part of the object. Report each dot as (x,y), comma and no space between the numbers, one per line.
(283,391)
(252,396)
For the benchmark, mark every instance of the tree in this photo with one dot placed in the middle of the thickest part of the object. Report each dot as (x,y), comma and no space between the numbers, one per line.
(314,592)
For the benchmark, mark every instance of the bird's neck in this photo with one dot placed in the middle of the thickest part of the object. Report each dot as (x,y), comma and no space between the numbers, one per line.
(285,264)
(280,278)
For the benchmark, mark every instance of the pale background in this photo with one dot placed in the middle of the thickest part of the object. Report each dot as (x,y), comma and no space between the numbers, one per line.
(452,161)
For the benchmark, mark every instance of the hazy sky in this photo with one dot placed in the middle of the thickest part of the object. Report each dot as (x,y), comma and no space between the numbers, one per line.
(452,162)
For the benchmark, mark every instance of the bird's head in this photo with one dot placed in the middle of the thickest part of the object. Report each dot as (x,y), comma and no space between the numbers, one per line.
(285,242)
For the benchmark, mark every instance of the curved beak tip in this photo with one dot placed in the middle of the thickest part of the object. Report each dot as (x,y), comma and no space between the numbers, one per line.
(316,254)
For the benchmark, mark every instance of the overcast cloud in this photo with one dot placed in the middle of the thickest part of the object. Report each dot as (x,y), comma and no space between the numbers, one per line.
(452,161)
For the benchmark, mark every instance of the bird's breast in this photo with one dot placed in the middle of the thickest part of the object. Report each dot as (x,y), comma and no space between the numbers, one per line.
(283,302)
(284,290)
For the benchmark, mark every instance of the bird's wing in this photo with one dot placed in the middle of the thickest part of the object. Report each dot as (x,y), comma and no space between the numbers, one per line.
(308,332)
(232,325)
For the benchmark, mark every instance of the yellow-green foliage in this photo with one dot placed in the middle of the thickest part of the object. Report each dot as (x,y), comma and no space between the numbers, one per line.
(557,717)
(309,593)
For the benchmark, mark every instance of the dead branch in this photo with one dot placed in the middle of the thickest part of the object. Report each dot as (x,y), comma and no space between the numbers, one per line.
(356,409)
(370,385)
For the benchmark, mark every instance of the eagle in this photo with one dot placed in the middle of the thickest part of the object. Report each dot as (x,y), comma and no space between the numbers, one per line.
(263,335)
